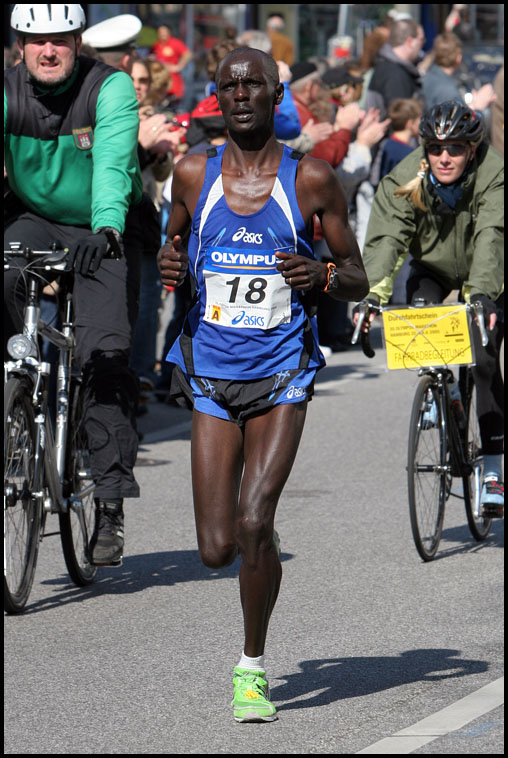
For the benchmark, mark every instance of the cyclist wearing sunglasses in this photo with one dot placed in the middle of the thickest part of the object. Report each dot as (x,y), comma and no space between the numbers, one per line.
(442,207)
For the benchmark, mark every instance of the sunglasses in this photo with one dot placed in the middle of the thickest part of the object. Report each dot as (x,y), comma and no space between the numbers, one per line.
(452,150)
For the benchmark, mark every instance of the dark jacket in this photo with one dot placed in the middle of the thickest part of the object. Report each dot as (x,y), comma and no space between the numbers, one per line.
(392,78)
(438,86)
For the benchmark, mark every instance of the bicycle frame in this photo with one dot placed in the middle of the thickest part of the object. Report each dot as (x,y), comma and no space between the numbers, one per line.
(457,452)
(50,446)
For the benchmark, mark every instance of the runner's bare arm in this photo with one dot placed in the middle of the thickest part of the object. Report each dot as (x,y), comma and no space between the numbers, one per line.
(172,257)
(320,193)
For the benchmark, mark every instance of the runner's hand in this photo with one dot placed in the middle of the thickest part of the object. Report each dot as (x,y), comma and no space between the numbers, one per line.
(173,262)
(302,273)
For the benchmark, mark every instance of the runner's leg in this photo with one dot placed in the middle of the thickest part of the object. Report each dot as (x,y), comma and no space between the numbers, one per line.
(270,448)
(217,462)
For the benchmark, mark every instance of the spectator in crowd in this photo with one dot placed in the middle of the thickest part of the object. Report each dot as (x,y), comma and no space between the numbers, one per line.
(141,79)
(308,90)
(113,40)
(459,23)
(373,42)
(343,86)
(395,73)
(282,46)
(497,129)
(404,116)
(157,162)
(160,83)
(175,55)
(12,56)
(439,83)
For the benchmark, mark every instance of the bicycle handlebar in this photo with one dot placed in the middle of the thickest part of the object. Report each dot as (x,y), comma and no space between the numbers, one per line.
(366,308)
(55,258)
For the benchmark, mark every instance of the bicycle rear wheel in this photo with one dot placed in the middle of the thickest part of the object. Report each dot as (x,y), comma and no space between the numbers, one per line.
(427,470)
(77,523)
(479,525)
(22,494)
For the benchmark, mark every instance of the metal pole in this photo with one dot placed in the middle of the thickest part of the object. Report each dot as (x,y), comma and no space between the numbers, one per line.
(342,20)
(189,25)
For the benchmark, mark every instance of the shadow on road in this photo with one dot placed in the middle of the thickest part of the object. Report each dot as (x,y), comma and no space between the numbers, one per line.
(137,573)
(324,681)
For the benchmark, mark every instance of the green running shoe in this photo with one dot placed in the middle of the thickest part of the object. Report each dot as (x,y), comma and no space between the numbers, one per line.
(250,701)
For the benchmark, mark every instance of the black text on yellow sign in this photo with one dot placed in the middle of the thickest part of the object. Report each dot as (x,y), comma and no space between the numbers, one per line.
(424,337)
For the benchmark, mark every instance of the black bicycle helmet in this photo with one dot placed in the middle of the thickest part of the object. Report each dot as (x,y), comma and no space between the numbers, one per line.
(452,121)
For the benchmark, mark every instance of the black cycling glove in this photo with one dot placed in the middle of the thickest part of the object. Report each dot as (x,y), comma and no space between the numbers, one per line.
(86,255)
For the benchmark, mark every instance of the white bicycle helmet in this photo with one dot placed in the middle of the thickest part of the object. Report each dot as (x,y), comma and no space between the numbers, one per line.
(45,18)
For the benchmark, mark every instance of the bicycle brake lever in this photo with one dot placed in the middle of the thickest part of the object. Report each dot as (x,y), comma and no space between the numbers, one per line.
(478,309)
(362,311)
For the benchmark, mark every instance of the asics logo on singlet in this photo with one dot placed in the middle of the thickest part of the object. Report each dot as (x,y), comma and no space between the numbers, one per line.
(245,236)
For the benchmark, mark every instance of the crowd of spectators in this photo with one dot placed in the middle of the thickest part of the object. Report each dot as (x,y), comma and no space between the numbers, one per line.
(361,116)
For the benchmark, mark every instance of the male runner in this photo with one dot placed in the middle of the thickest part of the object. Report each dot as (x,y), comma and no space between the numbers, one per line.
(248,352)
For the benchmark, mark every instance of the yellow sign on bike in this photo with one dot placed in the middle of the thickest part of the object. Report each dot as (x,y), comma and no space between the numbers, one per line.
(429,336)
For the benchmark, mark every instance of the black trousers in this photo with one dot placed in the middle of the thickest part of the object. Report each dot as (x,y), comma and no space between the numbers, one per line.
(487,371)
(105,307)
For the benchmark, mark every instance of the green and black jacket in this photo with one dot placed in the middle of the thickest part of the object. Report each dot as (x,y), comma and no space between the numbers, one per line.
(71,153)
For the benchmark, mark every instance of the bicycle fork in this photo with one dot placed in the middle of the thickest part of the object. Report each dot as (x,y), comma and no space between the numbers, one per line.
(477,467)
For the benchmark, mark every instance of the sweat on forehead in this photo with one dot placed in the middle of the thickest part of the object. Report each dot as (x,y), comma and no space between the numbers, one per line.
(239,59)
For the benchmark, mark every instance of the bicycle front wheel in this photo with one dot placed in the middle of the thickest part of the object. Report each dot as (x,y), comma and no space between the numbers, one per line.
(22,494)
(428,472)
(77,523)
(479,525)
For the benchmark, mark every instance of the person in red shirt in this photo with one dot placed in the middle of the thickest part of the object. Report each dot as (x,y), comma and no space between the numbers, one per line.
(175,55)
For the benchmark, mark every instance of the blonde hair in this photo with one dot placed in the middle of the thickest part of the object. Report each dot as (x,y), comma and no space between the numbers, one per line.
(413,190)
(160,81)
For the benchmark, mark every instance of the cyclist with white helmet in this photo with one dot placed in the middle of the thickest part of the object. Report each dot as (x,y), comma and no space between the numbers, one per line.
(70,145)
(444,205)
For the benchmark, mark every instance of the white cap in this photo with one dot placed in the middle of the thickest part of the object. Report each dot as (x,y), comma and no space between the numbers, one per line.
(118,31)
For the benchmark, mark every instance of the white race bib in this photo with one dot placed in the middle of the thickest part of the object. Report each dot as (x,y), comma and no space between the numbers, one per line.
(245,290)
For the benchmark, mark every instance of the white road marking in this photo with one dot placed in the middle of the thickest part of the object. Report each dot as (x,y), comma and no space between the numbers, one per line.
(442,722)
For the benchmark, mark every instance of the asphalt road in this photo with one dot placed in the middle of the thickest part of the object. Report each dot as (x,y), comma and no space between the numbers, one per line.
(366,641)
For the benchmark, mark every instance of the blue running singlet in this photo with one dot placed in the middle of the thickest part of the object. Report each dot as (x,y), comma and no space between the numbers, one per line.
(246,322)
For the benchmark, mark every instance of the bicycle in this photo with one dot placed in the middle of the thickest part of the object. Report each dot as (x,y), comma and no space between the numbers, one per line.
(46,470)
(444,436)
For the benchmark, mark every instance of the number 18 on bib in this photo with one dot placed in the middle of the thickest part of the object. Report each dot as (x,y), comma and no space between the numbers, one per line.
(245,290)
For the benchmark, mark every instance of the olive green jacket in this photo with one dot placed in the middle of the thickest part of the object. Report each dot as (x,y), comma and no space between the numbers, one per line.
(463,248)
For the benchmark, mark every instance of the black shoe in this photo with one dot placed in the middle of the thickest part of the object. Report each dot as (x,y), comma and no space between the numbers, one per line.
(106,545)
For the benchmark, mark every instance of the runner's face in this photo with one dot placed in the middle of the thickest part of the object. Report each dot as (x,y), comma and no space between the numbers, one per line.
(247,97)
(50,58)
